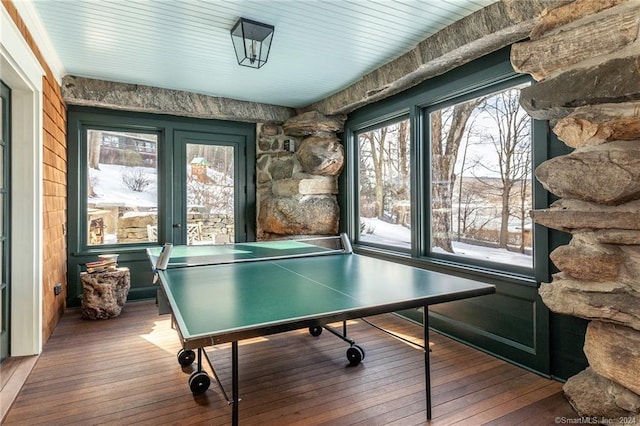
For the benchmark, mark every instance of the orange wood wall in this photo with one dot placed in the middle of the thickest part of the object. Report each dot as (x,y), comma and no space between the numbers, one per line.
(54,116)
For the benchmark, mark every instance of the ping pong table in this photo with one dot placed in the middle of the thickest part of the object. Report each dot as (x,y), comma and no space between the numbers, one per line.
(227,293)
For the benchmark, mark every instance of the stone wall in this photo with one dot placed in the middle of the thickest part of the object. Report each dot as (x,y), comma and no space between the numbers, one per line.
(215,228)
(585,55)
(297,167)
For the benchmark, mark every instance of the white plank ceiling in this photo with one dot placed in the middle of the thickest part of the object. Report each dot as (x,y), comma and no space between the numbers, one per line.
(319,46)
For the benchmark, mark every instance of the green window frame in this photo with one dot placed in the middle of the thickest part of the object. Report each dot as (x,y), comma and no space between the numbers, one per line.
(513,323)
(170,131)
(481,78)
(383,167)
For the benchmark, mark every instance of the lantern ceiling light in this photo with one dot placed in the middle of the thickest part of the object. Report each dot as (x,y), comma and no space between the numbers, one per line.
(252,42)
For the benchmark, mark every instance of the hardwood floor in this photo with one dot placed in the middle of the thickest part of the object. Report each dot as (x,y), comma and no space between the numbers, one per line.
(13,373)
(124,371)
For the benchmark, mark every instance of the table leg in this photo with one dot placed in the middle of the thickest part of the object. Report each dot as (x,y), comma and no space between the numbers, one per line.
(427,367)
(234,383)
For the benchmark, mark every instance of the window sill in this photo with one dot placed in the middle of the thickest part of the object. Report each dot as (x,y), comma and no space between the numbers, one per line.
(448,267)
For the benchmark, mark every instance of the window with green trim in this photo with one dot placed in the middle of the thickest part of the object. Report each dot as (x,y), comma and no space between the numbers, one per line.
(443,173)
(481,179)
(122,186)
(384,185)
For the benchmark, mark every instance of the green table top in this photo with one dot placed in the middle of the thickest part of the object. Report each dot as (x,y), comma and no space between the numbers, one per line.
(233,301)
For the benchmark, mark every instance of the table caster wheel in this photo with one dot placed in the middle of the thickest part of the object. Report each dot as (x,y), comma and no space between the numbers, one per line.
(355,354)
(186,357)
(315,331)
(199,382)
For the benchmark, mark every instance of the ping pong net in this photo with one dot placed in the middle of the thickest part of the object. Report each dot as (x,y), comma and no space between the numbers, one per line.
(171,257)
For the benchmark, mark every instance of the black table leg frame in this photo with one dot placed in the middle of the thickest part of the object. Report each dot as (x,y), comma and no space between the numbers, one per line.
(427,367)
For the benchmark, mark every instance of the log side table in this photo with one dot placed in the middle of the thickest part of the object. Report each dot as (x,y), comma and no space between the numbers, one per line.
(104,293)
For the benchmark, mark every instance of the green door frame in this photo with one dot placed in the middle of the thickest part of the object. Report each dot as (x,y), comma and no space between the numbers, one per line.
(169,129)
(5,237)
(181,139)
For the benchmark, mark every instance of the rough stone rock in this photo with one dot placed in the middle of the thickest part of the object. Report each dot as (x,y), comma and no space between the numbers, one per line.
(608,301)
(281,167)
(269,129)
(321,156)
(613,81)
(104,294)
(264,144)
(598,124)
(607,174)
(613,351)
(617,236)
(312,122)
(592,395)
(592,38)
(584,259)
(137,220)
(568,11)
(155,100)
(314,215)
(314,186)
(568,215)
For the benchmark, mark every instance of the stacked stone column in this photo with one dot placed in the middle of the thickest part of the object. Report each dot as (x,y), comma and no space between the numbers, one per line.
(297,168)
(585,55)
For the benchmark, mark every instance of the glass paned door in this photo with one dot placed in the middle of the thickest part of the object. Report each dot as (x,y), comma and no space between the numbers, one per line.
(5,108)
(209,191)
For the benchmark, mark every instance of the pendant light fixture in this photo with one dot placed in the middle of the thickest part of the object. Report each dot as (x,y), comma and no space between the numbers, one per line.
(252,42)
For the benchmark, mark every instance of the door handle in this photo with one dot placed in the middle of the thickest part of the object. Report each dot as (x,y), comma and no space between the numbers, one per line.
(177,225)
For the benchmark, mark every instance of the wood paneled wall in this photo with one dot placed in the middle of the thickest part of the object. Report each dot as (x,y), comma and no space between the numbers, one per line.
(54,119)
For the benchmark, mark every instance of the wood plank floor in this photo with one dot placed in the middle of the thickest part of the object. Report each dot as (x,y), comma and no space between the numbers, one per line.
(123,371)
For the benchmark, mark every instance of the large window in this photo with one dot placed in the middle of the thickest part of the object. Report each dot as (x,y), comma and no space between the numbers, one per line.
(122,187)
(138,180)
(444,173)
(384,184)
(480,173)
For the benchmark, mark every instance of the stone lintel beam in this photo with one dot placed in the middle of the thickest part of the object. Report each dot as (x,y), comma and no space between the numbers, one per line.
(155,100)
(487,30)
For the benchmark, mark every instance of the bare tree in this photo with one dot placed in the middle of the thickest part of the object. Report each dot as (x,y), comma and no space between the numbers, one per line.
(93,149)
(524,194)
(93,157)
(510,138)
(373,144)
(403,160)
(447,129)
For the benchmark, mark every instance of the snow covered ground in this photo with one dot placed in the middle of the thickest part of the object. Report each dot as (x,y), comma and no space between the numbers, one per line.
(110,190)
(399,236)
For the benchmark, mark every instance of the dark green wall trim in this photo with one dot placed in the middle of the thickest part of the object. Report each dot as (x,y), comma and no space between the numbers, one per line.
(5,222)
(168,128)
